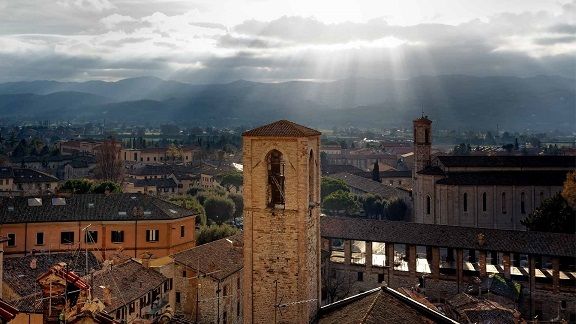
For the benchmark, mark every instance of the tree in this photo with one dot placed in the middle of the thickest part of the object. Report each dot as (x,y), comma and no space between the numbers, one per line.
(214,232)
(192,204)
(106,186)
(238,204)
(337,284)
(109,166)
(174,152)
(376,172)
(339,201)
(219,209)
(78,186)
(553,215)
(373,205)
(569,189)
(330,185)
(232,179)
(396,210)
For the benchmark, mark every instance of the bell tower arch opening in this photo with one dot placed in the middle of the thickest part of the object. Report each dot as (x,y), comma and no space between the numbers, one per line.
(276,194)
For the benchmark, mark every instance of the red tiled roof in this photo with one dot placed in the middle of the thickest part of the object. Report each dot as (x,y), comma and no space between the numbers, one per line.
(219,258)
(282,128)
(380,305)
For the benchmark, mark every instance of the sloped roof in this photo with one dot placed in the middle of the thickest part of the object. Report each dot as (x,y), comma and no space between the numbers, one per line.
(543,161)
(505,178)
(218,258)
(127,281)
(368,185)
(19,276)
(525,242)
(379,306)
(22,175)
(282,128)
(156,182)
(89,207)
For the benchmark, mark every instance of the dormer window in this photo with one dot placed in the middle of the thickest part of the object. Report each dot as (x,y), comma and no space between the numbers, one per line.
(275,179)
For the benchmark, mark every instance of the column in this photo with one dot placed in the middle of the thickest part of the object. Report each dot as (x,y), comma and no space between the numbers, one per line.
(506,264)
(532,281)
(556,274)
(482,263)
(347,251)
(412,260)
(390,261)
(459,267)
(368,256)
(435,262)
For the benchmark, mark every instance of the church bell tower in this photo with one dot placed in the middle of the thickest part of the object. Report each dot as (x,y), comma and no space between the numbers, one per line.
(281,191)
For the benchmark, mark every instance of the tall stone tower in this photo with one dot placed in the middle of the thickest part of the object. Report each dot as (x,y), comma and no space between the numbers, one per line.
(422,143)
(281,223)
(422,159)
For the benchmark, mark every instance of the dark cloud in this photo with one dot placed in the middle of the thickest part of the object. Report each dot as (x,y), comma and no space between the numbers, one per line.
(563,29)
(233,41)
(555,40)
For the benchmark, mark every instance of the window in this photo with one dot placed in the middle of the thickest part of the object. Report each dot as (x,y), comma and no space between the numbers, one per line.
(183,273)
(484,202)
(428,203)
(225,292)
(225,318)
(237,309)
(66,237)
(426,136)
(380,277)
(358,252)
(275,179)
(91,237)
(152,235)
(117,236)
(311,177)
(378,254)
(178,297)
(40,238)
(465,202)
(238,283)
(503,203)
(360,276)
(181,230)
(11,240)
(132,307)
(523,203)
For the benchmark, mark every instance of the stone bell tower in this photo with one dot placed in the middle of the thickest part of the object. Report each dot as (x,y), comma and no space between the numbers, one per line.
(281,223)
(422,159)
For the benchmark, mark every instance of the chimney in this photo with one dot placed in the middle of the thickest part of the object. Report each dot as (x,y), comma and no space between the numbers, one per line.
(146,256)
(107,296)
(33,263)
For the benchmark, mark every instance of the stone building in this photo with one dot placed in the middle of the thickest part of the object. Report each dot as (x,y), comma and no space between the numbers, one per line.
(281,223)
(208,281)
(536,271)
(23,181)
(481,191)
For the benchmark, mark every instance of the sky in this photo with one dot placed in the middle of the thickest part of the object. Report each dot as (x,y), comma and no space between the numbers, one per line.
(216,41)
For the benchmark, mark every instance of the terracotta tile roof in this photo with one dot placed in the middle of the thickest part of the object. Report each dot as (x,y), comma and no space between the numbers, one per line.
(505,178)
(378,306)
(431,170)
(332,169)
(89,207)
(282,128)
(158,183)
(19,276)
(127,281)
(508,161)
(30,304)
(368,185)
(469,309)
(219,258)
(24,175)
(525,242)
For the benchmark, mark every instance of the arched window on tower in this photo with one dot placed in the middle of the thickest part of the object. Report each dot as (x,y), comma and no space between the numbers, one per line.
(503,203)
(523,203)
(427,136)
(311,179)
(465,202)
(484,202)
(276,194)
(428,205)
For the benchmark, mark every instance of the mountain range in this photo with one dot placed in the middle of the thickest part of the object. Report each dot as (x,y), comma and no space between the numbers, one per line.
(537,103)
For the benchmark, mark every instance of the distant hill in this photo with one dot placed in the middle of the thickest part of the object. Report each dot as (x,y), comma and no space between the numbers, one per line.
(452,101)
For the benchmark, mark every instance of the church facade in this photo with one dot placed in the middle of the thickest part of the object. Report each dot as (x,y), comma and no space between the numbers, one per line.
(481,191)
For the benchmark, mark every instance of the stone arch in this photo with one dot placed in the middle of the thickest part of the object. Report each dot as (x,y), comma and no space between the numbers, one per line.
(275,183)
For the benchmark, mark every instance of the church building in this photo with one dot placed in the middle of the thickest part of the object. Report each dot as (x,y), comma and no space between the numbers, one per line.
(481,191)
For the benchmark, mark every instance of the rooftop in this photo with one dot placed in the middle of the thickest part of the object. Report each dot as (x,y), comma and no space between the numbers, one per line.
(380,305)
(525,242)
(282,128)
(24,175)
(527,161)
(127,281)
(367,185)
(88,207)
(20,272)
(219,258)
